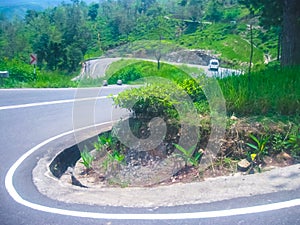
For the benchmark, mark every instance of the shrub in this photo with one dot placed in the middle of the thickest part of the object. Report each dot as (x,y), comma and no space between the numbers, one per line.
(126,74)
(152,100)
(18,71)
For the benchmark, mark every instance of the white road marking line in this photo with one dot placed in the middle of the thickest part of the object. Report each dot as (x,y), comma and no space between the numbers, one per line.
(143,216)
(51,103)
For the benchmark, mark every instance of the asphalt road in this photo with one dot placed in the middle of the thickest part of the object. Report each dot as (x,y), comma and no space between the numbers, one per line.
(96,68)
(37,115)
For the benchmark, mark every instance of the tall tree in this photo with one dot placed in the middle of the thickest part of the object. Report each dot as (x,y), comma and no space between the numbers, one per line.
(291,33)
(285,14)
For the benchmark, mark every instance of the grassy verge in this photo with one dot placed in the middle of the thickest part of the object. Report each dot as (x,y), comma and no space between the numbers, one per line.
(267,106)
(22,75)
(271,91)
(143,69)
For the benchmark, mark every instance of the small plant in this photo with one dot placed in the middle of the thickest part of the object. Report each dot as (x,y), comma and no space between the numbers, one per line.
(279,143)
(87,158)
(113,161)
(294,143)
(260,149)
(104,140)
(188,155)
(118,157)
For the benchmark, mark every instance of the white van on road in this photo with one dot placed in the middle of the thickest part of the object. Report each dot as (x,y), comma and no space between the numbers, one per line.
(213,64)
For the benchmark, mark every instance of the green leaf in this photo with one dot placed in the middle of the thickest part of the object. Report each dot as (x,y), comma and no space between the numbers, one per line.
(254,139)
(252,146)
(180,148)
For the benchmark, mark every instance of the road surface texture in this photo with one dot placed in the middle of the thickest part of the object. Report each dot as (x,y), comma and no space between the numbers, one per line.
(30,119)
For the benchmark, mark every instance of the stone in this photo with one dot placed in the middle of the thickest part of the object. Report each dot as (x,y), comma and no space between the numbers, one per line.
(233,118)
(284,156)
(243,165)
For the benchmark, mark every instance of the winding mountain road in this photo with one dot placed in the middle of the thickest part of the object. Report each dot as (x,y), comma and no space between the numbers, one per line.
(32,118)
(96,68)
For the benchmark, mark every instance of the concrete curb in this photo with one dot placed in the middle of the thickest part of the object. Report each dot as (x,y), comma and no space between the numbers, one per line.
(210,190)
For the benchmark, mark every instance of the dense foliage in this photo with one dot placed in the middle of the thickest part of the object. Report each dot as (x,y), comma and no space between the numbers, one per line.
(65,35)
(272,91)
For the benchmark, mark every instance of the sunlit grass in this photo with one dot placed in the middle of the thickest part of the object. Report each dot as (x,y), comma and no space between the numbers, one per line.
(272,91)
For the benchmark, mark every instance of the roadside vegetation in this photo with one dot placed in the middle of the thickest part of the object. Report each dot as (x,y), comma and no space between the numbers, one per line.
(262,105)
(262,120)
(21,75)
(150,29)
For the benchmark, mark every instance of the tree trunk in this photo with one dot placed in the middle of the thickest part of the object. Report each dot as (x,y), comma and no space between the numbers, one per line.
(279,45)
(291,33)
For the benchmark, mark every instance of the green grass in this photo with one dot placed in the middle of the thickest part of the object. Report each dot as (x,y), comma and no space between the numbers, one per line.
(118,65)
(90,82)
(21,75)
(271,91)
(51,80)
(144,69)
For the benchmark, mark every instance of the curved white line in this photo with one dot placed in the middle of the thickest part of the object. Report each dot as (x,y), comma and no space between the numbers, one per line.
(145,216)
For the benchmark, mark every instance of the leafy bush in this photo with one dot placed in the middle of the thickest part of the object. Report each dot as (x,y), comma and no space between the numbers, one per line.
(22,75)
(193,89)
(18,71)
(152,100)
(294,144)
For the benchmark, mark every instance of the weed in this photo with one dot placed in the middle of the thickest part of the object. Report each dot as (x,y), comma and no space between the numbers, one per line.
(87,158)
(270,91)
(294,143)
(104,141)
(259,148)
(117,156)
(188,155)
(113,161)
(279,143)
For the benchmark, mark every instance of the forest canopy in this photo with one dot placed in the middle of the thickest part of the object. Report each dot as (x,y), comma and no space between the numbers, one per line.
(65,35)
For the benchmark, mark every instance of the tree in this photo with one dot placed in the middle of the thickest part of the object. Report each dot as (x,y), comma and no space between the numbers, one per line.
(74,56)
(195,9)
(213,11)
(291,33)
(145,5)
(93,11)
(285,14)
(160,29)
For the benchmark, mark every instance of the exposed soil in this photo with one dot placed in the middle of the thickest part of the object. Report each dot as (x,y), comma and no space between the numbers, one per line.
(161,166)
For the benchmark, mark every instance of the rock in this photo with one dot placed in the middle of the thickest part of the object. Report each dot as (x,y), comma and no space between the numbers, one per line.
(233,118)
(91,180)
(243,165)
(284,156)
